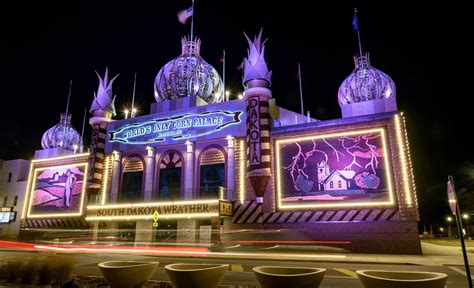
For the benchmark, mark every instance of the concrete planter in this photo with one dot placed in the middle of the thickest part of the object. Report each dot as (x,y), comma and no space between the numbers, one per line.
(127,274)
(283,277)
(401,279)
(196,275)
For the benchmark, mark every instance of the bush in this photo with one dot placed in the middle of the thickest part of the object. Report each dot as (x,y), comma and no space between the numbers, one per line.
(29,271)
(62,269)
(12,270)
(45,272)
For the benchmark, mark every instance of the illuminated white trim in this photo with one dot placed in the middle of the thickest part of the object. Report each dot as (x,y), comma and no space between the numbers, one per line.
(56,215)
(388,179)
(106,178)
(147,217)
(412,176)
(152,204)
(403,161)
(60,157)
(27,192)
(242,171)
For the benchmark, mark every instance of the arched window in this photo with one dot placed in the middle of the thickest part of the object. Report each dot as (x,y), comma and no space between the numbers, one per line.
(132,179)
(339,184)
(331,184)
(212,172)
(170,176)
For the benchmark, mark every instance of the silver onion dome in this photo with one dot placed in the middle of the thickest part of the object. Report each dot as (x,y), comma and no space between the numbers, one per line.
(61,135)
(189,75)
(365,83)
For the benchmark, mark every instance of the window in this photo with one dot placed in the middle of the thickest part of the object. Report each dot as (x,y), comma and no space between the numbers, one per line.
(170,176)
(15,200)
(132,179)
(331,184)
(339,184)
(9,177)
(5,199)
(212,173)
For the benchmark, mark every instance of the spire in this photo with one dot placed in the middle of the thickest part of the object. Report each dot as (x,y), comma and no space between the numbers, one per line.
(134,110)
(68,98)
(255,67)
(81,147)
(103,102)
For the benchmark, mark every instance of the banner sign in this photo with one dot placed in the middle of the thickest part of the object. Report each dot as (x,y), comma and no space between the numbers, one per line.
(175,210)
(175,128)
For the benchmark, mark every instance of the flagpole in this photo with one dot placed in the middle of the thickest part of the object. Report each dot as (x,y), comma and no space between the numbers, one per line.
(81,148)
(358,32)
(301,89)
(132,113)
(68,97)
(223,76)
(192,22)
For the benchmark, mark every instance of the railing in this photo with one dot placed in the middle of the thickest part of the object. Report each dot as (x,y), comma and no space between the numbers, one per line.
(202,193)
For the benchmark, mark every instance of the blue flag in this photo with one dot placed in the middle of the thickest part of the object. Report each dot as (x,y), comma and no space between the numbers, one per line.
(355,23)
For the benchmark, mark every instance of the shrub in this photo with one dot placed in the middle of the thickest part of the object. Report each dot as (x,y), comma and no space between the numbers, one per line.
(45,272)
(12,270)
(62,269)
(29,271)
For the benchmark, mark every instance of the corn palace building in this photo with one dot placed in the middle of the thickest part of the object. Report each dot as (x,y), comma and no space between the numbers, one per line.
(205,167)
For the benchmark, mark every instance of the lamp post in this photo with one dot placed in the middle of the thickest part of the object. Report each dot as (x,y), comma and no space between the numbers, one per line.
(449,219)
(466,217)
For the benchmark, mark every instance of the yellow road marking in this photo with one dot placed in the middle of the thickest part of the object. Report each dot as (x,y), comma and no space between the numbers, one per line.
(236,268)
(347,272)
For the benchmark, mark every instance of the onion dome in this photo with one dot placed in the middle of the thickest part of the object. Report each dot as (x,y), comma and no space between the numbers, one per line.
(61,135)
(366,91)
(189,75)
(365,83)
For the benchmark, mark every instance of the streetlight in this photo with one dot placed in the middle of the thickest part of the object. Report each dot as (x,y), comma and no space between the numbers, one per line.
(227,94)
(466,217)
(449,219)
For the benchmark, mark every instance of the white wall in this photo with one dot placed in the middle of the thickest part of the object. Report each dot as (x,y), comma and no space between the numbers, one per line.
(11,187)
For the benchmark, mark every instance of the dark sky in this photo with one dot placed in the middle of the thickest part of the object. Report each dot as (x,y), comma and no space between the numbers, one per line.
(44,44)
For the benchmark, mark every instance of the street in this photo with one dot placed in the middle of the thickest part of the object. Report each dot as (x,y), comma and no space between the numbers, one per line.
(338,274)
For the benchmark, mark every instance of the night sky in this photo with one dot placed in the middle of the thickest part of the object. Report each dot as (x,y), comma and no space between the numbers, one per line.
(44,45)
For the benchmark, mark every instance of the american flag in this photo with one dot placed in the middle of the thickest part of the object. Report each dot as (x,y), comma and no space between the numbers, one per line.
(184,15)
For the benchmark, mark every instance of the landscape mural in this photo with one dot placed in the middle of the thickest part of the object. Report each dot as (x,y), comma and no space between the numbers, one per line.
(57,190)
(334,169)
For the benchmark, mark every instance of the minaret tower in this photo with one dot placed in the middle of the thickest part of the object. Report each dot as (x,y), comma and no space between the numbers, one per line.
(257,80)
(102,109)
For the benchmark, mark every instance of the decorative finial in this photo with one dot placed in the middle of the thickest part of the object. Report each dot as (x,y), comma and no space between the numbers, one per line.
(255,67)
(103,100)
(190,47)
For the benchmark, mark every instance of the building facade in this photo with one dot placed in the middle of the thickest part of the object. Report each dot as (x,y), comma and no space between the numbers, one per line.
(13,179)
(200,166)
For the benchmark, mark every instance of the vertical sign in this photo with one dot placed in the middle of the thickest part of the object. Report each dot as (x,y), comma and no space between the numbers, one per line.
(93,150)
(254,130)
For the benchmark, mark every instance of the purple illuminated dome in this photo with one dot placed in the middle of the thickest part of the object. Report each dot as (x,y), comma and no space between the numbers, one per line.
(62,135)
(189,75)
(365,83)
